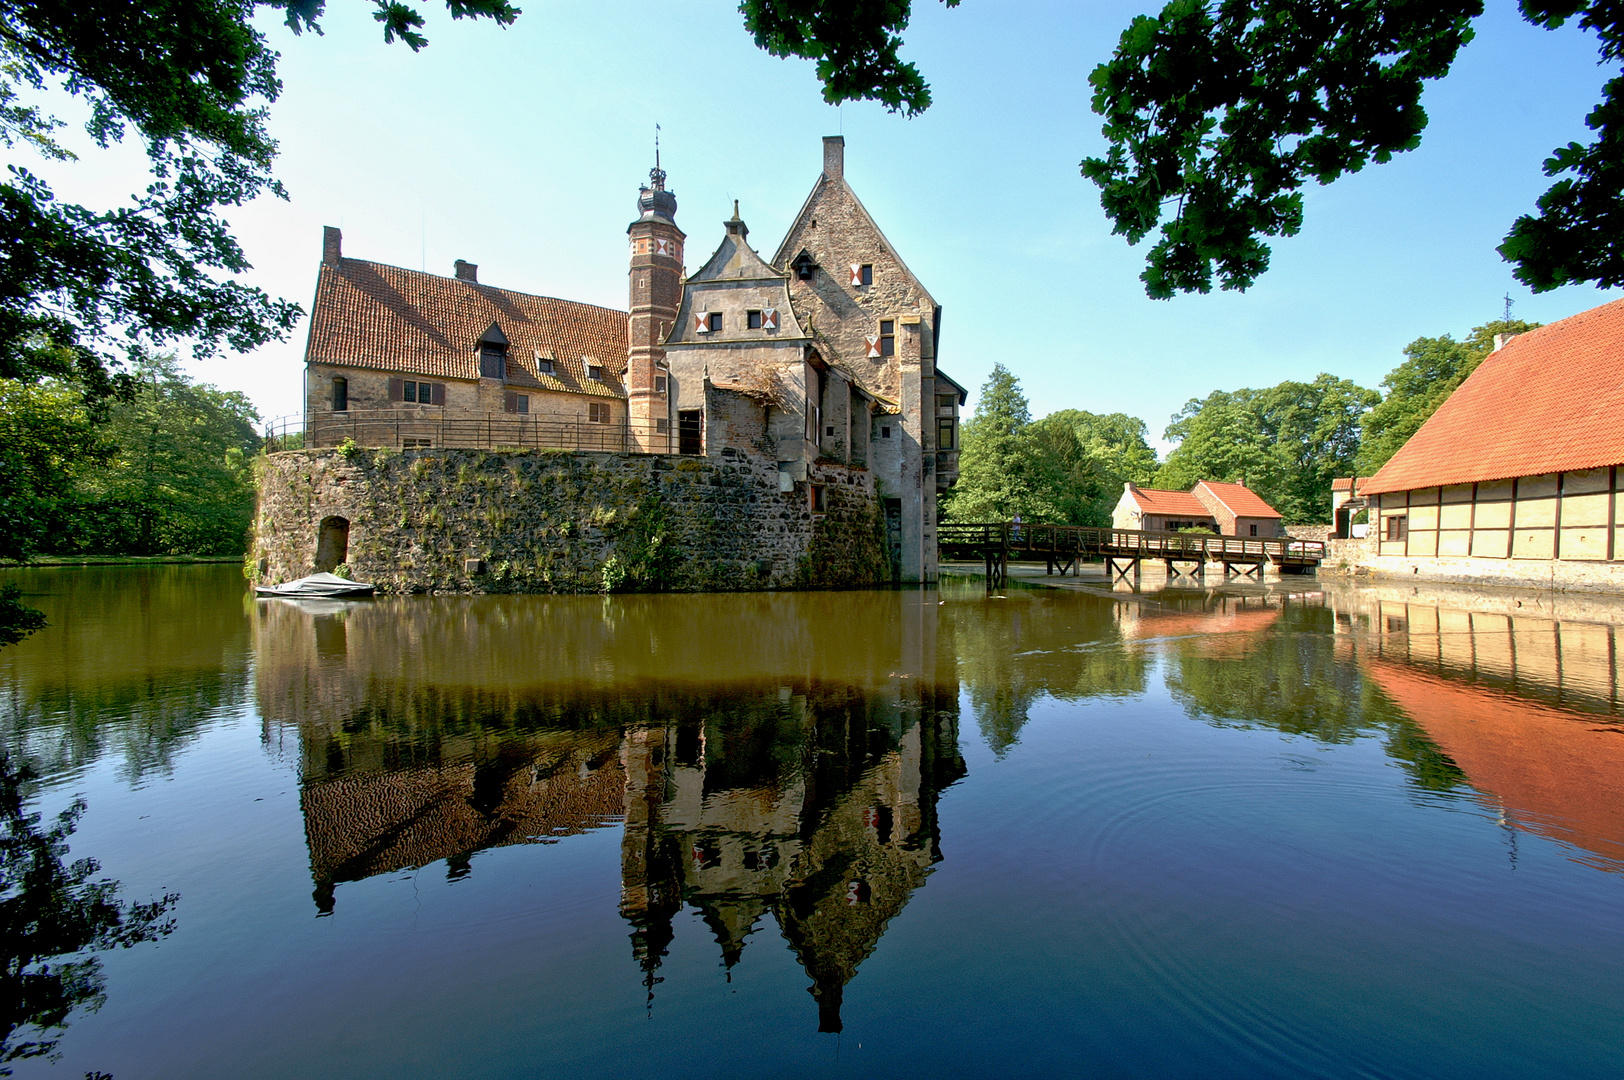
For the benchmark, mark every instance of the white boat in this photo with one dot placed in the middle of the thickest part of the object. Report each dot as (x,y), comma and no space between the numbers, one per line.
(317,586)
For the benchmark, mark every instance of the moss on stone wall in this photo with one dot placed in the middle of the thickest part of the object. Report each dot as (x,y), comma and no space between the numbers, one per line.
(549,521)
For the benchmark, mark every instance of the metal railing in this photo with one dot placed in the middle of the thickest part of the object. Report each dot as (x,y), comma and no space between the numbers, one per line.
(1124,543)
(405,429)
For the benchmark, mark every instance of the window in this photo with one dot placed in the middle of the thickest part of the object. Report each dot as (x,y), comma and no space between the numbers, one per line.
(888,337)
(422,393)
(492,362)
(713,322)
(752,320)
(544,365)
(1398,526)
(516,403)
(865,274)
(945,435)
(659,384)
(341,394)
(416,444)
(1254,530)
(690,432)
(598,412)
(885,431)
(829,431)
(594,372)
(662,424)
(815,497)
(946,401)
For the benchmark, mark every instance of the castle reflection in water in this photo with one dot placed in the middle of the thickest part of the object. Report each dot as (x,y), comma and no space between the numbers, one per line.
(746,788)
(775,760)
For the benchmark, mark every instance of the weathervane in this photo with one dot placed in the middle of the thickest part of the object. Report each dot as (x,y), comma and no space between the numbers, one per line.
(656,175)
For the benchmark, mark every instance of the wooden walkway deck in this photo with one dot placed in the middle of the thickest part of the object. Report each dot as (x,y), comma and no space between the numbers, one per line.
(1123,551)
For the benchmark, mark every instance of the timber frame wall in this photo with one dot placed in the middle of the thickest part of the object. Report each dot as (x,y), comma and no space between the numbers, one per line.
(1569,516)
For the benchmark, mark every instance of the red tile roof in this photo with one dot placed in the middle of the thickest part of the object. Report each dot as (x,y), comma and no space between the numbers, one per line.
(1551,400)
(1343,483)
(374,316)
(1176,503)
(1241,500)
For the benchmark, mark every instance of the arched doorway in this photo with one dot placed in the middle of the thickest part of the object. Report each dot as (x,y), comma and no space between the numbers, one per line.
(332,544)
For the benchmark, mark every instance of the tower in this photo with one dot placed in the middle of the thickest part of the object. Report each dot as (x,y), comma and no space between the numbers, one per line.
(655,292)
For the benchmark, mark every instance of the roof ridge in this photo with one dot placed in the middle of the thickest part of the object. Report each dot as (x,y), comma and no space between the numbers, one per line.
(483,285)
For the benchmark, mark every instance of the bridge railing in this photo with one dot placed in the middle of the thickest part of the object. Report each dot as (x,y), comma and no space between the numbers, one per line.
(1124,543)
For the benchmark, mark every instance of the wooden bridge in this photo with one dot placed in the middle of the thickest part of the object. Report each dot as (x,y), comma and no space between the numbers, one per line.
(1123,551)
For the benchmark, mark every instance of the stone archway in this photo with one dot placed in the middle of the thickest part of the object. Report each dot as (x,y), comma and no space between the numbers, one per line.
(332,544)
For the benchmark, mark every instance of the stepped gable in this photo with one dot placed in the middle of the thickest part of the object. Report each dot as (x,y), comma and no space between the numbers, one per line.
(372,315)
(1241,500)
(1548,401)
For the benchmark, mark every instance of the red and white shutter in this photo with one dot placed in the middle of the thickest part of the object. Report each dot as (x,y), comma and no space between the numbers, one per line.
(873,347)
(702,322)
(856,273)
(769,319)
(662,246)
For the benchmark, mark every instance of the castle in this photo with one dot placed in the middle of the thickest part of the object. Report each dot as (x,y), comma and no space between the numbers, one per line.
(815,369)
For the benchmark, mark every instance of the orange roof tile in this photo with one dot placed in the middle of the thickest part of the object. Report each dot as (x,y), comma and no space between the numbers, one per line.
(384,317)
(1177,503)
(1241,500)
(1550,400)
(1343,483)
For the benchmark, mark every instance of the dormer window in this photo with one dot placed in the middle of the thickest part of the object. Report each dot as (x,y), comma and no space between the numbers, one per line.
(493,347)
(594,372)
(544,364)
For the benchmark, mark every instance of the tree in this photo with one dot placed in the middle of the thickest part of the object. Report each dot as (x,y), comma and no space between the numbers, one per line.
(1217,114)
(179,481)
(1084,459)
(998,467)
(1286,442)
(53,915)
(82,289)
(1432,369)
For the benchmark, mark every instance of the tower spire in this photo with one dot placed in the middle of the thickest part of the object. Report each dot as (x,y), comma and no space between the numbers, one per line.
(656,175)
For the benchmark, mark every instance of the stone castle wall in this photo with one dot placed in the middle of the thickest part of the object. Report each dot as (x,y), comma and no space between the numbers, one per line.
(439,520)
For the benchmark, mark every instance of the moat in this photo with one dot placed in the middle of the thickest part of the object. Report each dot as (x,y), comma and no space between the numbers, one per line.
(1283,830)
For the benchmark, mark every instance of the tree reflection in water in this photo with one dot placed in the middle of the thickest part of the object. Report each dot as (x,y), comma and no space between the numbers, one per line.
(53,916)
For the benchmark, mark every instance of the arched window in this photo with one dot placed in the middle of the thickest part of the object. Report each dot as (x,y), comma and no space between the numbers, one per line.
(341,394)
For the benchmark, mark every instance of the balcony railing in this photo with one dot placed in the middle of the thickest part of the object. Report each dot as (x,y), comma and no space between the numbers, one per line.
(408,429)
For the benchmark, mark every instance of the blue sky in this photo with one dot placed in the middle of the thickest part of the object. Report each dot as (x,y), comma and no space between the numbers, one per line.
(522,150)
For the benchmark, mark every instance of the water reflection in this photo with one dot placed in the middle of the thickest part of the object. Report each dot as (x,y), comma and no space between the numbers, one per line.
(769,756)
(1524,702)
(134,660)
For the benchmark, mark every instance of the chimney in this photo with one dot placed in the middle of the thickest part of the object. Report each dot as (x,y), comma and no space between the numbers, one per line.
(1500,341)
(332,246)
(834,156)
(467,271)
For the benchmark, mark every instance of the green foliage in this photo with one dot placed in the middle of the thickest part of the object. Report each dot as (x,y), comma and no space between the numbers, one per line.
(999,467)
(1286,443)
(53,915)
(81,288)
(180,481)
(46,434)
(17,620)
(644,559)
(1084,459)
(1432,369)
(1217,116)
(855,46)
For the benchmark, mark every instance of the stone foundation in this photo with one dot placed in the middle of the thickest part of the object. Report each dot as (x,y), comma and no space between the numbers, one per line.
(473,521)
(1551,575)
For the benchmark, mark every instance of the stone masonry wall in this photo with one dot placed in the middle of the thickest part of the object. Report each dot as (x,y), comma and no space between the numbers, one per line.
(556,521)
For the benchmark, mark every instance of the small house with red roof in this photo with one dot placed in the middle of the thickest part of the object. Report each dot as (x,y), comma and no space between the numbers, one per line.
(1517,474)
(1224,508)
